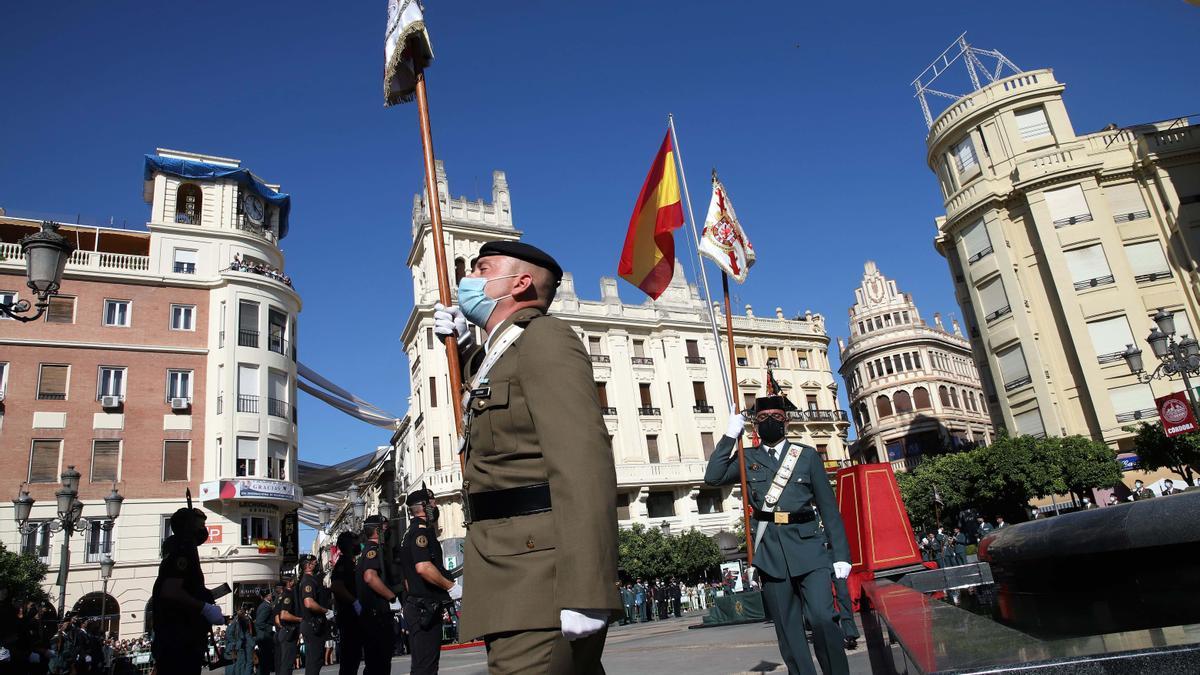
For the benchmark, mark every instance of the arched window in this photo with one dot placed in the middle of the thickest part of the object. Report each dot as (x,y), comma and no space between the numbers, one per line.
(883,405)
(460,269)
(188,203)
(954,398)
(864,413)
(921,398)
(969,399)
(944,396)
(902,401)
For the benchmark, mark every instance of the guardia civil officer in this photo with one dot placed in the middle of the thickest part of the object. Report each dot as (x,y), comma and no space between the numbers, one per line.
(429,586)
(314,625)
(345,603)
(789,490)
(183,607)
(287,626)
(264,630)
(378,601)
(540,483)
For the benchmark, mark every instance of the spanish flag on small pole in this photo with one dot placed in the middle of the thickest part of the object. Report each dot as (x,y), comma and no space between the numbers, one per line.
(648,259)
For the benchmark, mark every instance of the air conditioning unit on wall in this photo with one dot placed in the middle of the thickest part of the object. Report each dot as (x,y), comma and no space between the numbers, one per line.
(110,401)
(180,404)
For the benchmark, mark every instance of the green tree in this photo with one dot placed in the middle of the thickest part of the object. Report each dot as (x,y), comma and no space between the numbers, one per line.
(1156,450)
(643,552)
(1014,469)
(692,554)
(22,576)
(953,476)
(1086,464)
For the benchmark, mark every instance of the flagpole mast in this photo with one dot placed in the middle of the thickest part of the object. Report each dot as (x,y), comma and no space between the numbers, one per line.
(433,200)
(730,385)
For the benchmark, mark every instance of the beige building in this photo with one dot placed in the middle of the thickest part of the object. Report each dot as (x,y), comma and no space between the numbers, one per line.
(161,366)
(1061,246)
(656,370)
(913,388)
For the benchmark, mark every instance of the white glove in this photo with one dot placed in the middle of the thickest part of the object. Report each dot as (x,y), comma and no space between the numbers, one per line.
(737,424)
(329,614)
(212,614)
(581,623)
(394,605)
(841,570)
(449,321)
(456,590)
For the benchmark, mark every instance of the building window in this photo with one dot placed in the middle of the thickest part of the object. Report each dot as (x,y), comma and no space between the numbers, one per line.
(1089,267)
(277,394)
(44,458)
(116,313)
(189,202)
(1067,206)
(1029,423)
(802,358)
(277,331)
(975,239)
(639,348)
(106,460)
(660,505)
(52,382)
(183,317)
(112,382)
(706,442)
(965,159)
(3,380)
(61,309)
(175,460)
(247,456)
(429,338)
(954,398)
(921,398)
(99,539)
(742,353)
(887,366)
(185,261)
(437,453)
(700,394)
(709,501)
(1031,123)
(247,324)
(602,396)
(993,300)
(277,457)
(917,360)
(1133,402)
(883,406)
(644,395)
(594,345)
(1147,260)
(247,388)
(622,506)
(179,384)
(902,401)
(37,542)
(7,298)
(772,357)
(256,529)
(652,448)
(460,269)
(1109,338)
(908,362)
(1125,202)
(810,402)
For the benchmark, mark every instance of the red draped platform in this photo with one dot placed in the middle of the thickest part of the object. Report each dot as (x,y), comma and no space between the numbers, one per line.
(877,525)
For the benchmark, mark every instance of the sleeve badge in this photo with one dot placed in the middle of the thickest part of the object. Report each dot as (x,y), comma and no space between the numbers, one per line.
(308,589)
(371,554)
(422,541)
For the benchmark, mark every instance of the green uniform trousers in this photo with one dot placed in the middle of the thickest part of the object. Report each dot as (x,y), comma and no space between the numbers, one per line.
(845,608)
(544,652)
(790,602)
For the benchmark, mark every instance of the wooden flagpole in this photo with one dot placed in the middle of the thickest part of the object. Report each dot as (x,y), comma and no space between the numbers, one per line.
(730,384)
(439,256)
(741,449)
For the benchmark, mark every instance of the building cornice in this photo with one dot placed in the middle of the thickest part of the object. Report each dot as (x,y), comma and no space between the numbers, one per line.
(72,344)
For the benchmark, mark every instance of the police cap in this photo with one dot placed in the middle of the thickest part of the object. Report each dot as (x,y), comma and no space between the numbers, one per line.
(375,520)
(522,251)
(307,558)
(418,496)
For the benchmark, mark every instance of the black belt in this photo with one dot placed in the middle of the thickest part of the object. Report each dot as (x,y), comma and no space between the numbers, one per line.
(804,515)
(510,503)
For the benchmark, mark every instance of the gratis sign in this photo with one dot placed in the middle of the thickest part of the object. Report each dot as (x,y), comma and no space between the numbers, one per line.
(1176,414)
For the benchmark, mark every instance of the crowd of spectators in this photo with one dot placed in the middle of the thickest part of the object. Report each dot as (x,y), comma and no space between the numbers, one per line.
(258,268)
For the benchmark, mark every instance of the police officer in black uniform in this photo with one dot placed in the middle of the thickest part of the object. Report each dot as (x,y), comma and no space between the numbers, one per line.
(346,607)
(287,626)
(377,599)
(183,607)
(427,582)
(314,625)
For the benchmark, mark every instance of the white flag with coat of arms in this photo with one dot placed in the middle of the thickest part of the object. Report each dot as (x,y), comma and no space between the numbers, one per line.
(724,241)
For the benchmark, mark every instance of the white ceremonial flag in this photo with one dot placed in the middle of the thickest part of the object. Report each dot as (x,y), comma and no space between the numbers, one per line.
(724,241)
(406,50)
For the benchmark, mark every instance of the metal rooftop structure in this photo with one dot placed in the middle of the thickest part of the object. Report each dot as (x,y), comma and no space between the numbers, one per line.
(973,60)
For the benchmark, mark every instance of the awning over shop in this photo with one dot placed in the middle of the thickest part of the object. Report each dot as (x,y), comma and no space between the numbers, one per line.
(326,485)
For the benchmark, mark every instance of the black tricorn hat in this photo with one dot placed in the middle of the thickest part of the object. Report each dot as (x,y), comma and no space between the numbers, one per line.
(778,402)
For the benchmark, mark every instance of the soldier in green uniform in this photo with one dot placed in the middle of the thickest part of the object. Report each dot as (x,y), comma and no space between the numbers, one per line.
(287,626)
(314,624)
(428,583)
(378,601)
(540,482)
(183,607)
(789,490)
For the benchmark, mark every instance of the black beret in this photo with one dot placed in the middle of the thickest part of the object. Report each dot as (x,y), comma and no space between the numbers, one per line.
(773,403)
(522,251)
(418,496)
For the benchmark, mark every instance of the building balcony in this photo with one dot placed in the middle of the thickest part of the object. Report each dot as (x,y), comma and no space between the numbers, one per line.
(247,338)
(642,361)
(85,260)
(184,268)
(650,412)
(247,404)
(1094,283)
(608,410)
(277,407)
(696,360)
(689,472)
(1134,415)
(277,344)
(600,358)
(702,408)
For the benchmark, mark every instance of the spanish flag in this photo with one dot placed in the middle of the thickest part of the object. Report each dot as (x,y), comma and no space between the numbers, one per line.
(648,259)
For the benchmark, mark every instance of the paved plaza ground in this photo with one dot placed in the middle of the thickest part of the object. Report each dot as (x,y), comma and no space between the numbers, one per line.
(664,647)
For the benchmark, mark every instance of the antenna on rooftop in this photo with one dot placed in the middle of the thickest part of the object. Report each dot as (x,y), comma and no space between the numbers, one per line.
(972,58)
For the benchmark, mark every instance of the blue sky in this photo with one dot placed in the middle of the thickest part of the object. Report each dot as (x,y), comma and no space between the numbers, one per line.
(804,108)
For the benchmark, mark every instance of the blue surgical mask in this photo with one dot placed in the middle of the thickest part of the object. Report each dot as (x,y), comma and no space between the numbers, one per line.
(474,302)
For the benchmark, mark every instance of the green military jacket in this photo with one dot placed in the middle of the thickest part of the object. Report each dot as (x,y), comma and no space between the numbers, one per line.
(539,422)
(793,549)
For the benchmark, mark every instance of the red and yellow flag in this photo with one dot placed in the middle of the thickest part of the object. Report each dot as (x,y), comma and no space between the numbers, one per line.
(648,259)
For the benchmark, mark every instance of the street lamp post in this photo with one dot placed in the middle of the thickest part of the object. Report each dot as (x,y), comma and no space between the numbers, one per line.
(1175,358)
(106,569)
(69,520)
(46,253)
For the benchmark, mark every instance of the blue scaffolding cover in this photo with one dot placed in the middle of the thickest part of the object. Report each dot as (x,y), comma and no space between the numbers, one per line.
(187,168)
